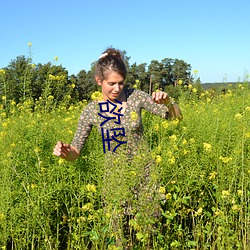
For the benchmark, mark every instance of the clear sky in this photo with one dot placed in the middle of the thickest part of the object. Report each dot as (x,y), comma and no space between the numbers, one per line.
(213,36)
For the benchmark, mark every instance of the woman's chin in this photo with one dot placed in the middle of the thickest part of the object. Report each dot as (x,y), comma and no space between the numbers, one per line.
(113,96)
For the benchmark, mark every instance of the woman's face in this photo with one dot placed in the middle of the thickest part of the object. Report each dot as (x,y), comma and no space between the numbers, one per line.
(112,86)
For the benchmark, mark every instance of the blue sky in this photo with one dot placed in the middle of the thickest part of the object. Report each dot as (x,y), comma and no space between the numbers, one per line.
(212,36)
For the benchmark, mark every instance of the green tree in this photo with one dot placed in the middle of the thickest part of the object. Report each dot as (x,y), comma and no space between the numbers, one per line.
(86,84)
(52,80)
(138,73)
(181,71)
(18,79)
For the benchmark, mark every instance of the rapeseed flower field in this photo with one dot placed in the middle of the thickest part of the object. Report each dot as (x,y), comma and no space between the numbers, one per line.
(202,166)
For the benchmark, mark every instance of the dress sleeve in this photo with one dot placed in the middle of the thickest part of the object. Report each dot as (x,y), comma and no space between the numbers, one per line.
(151,106)
(84,127)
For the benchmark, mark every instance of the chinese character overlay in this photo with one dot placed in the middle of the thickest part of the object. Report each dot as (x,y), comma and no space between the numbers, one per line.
(104,108)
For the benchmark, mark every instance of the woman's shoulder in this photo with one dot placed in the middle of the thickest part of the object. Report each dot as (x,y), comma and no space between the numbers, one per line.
(136,93)
(90,107)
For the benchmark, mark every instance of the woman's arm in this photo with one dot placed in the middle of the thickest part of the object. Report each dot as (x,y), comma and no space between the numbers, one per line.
(159,104)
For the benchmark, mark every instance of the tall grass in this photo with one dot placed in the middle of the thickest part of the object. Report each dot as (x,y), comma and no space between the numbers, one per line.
(202,164)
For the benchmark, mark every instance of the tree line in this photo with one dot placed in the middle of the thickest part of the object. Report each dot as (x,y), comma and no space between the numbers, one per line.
(22,79)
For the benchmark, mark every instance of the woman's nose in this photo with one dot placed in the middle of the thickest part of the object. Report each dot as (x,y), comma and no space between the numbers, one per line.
(116,87)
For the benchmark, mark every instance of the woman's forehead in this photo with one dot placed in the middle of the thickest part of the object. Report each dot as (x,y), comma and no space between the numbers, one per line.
(114,76)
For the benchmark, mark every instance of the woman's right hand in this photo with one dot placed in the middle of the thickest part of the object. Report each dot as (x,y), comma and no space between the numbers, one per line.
(66,151)
(62,149)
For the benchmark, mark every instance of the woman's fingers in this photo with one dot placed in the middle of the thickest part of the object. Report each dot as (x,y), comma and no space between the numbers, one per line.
(160,97)
(61,149)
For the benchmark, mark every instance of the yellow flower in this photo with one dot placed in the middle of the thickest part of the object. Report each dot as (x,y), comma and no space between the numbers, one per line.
(168,196)
(171,160)
(184,141)
(246,108)
(4,124)
(29,44)
(91,188)
(162,190)
(156,127)
(2,217)
(194,90)
(174,122)
(96,96)
(195,71)
(225,193)
(212,175)
(225,159)
(191,140)
(51,77)
(247,135)
(135,86)
(108,215)
(87,207)
(218,212)
(50,97)
(133,116)
(90,217)
(180,82)
(239,192)
(198,212)
(3,97)
(2,72)
(37,149)
(56,58)
(164,124)
(158,159)
(61,161)
(238,116)
(173,137)
(235,207)
(137,81)
(207,147)
(73,85)
(133,173)
(190,86)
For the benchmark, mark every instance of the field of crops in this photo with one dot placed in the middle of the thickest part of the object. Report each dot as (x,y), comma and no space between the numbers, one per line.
(202,164)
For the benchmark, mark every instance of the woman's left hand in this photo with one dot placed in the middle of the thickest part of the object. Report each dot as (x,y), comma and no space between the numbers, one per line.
(161,97)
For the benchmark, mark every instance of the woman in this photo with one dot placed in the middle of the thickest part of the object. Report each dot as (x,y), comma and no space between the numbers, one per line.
(110,74)
(118,118)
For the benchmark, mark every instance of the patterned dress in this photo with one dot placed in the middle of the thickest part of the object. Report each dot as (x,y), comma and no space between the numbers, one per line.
(129,186)
(131,121)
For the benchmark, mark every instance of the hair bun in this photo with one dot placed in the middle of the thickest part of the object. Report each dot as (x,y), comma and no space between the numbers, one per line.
(103,55)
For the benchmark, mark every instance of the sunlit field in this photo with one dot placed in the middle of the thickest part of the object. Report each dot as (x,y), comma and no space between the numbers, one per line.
(202,164)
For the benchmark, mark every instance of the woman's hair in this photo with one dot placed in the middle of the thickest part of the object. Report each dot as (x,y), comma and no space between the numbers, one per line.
(110,60)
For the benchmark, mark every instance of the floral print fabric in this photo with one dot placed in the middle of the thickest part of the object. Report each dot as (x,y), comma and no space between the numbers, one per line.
(131,120)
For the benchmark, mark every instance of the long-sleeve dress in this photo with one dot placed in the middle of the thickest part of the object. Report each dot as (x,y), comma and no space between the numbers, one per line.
(130,182)
(131,121)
